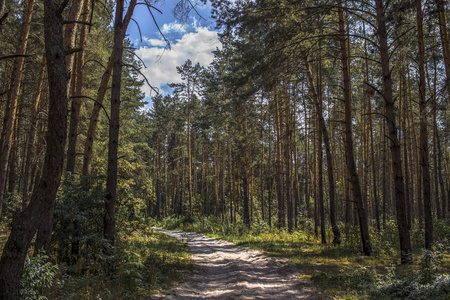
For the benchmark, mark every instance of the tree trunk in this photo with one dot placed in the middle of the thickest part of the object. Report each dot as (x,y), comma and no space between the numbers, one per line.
(287,157)
(262,169)
(279,168)
(43,199)
(77,99)
(12,164)
(13,97)
(307,168)
(444,40)
(402,222)
(350,158)
(424,158)
(70,36)
(111,182)
(230,176)
(90,136)
(32,135)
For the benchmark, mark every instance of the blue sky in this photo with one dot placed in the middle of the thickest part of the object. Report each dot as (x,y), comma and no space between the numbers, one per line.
(194,40)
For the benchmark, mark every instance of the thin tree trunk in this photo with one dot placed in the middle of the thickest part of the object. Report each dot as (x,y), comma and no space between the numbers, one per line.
(424,158)
(92,128)
(230,176)
(307,168)
(12,165)
(190,154)
(279,168)
(404,111)
(70,36)
(32,134)
(13,97)
(287,157)
(350,158)
(444,40)
(261,174)
(324,132)
(245,170)
(77,100)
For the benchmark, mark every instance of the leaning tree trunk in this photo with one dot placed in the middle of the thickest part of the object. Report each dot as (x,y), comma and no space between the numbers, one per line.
(350,158)
(93,121)
(326,140)
(43,200)
(13,97)
(402,221)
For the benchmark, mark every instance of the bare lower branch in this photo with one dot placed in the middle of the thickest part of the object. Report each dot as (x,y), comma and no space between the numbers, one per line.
(145,78)
(96,102)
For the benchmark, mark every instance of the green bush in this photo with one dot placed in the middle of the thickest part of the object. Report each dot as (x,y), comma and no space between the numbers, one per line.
(425,283)
(38,274)
(78,224)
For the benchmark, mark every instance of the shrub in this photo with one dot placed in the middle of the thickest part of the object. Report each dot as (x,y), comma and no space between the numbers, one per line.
(425,283)
(78,224)
(38,274)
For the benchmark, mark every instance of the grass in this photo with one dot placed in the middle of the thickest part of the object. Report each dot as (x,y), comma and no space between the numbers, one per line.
(340,271)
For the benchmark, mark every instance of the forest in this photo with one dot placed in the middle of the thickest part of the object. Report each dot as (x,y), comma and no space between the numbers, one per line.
(320,123)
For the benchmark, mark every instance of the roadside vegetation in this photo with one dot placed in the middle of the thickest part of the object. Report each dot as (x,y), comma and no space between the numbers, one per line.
(343,271)
(79,266)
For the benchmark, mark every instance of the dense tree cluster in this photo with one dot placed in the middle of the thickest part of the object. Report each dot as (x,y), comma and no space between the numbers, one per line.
(330,110)
(52,55)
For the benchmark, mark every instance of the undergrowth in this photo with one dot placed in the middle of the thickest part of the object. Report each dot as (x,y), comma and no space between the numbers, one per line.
(145,262)
(81,263)
(343,271)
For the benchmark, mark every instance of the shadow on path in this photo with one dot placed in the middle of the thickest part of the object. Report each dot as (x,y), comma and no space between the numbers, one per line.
(226,271)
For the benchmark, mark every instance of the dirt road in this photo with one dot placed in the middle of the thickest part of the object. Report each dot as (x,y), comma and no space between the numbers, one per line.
(226,271)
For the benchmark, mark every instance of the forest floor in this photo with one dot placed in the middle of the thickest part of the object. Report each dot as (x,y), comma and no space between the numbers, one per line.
(224,270)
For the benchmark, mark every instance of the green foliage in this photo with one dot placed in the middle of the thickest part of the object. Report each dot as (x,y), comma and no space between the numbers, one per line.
(38,275)
(78,224)
(145,262)
(425,283)
(342,271)
(358,279)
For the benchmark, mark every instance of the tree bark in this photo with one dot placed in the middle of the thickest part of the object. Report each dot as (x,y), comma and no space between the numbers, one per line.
(279,166)
(109,220)
(354,179)
(424,156)
(13,97)
(43,199)
(77,100)
(70,36)
(93,121)
(32,135)
(402,222)
(287,157)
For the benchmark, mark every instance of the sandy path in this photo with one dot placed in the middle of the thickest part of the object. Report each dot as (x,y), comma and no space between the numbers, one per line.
(226,271)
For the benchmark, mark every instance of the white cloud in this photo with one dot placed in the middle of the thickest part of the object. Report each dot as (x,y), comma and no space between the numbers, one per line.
(171,27)
(154,42)
(161,64)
